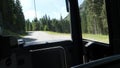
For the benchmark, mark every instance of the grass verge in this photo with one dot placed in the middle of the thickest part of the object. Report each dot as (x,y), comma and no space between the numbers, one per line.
(10,33)
(95,37)
(56,33)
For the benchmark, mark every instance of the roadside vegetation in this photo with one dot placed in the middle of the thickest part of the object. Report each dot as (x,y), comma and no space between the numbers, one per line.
(94,37)
(97,37)
(9,33)
(56,33)
(47,24)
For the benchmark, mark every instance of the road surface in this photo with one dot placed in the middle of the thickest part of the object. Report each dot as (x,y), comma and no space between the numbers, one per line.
(43,37)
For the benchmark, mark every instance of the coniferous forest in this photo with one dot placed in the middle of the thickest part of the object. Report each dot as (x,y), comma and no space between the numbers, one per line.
(47,24)
(93,17)
(11,17)
(92,12)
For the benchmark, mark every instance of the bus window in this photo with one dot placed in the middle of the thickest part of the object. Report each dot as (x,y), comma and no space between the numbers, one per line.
(93,20)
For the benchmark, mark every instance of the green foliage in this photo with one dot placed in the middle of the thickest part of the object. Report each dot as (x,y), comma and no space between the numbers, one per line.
(35,24)
(45,28)
(96,37)
(93,15)
(28,25)
(12,15)
(47,24)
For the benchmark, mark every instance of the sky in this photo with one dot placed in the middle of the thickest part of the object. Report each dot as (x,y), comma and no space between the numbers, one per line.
(53,8)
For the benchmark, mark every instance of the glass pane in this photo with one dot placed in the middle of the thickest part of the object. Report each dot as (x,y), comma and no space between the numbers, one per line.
(35,20)
(94,20)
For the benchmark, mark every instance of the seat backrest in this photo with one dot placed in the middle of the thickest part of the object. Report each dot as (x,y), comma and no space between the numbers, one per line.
(108,62)
(52,57)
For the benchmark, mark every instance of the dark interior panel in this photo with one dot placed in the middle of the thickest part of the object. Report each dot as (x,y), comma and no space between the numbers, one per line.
(107,62)
(96,50)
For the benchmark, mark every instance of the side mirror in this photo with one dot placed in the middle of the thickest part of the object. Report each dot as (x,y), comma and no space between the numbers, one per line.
(21,42)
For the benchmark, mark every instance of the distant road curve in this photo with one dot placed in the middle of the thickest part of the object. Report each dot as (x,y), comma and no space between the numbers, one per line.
(42,37)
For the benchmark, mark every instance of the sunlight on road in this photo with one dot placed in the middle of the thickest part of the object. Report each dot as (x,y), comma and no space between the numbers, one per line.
(41,36)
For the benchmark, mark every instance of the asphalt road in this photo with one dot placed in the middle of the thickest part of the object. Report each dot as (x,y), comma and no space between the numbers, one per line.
(35,37)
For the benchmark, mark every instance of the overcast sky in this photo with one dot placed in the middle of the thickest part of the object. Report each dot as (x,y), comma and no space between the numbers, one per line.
(53,8)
